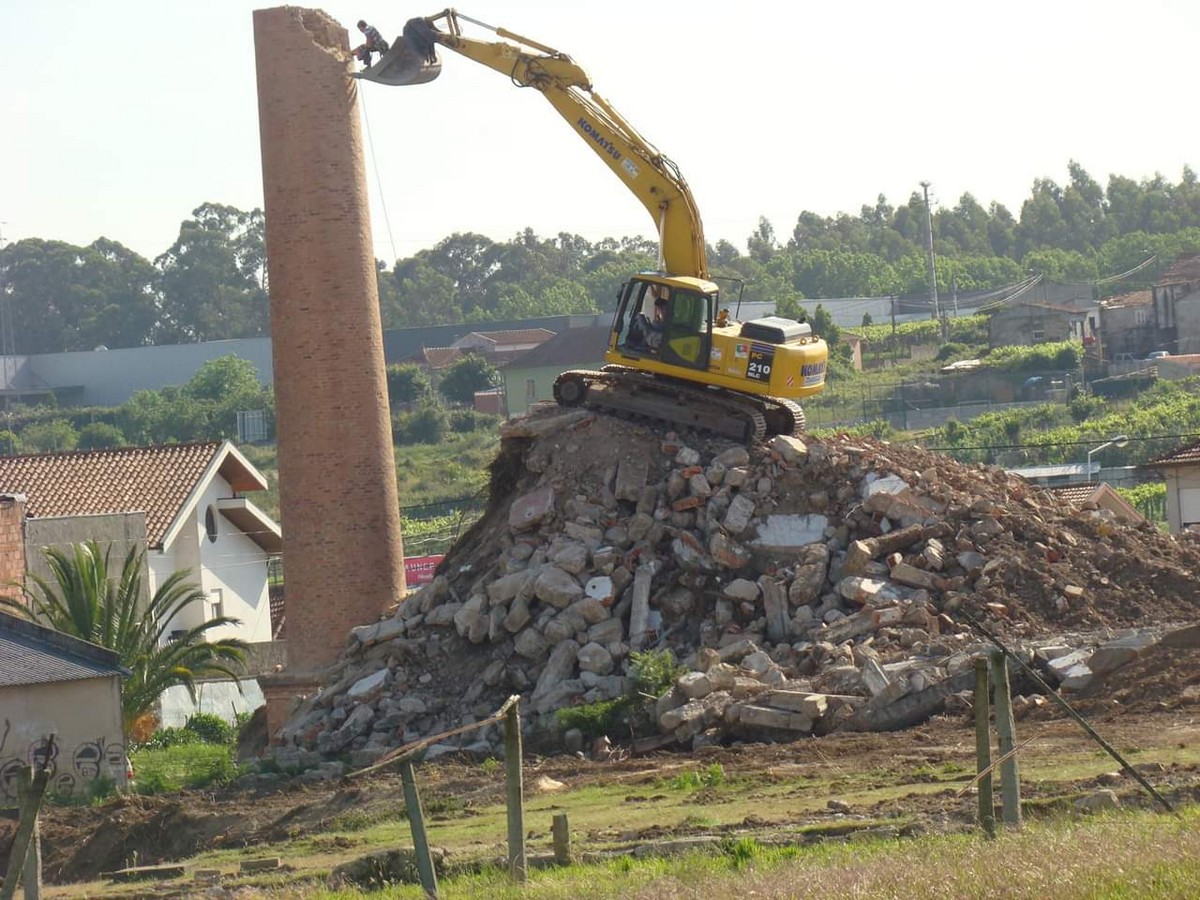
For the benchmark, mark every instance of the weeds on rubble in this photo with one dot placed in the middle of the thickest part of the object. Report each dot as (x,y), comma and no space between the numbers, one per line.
(708,777)
(184,766)
(595,719)
(741,852)
(652,672)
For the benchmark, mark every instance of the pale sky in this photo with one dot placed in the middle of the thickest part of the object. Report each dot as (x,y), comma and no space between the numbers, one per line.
(118,119)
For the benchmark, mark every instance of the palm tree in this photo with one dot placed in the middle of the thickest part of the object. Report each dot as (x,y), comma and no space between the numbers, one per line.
(84,600)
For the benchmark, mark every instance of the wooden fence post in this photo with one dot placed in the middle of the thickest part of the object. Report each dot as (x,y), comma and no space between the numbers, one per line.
(983,749)
(562,839)
(32,790)
(416,820)
(515,786)
(1010,785)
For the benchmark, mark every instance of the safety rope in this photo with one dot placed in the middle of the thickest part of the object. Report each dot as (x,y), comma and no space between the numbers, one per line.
(378,182)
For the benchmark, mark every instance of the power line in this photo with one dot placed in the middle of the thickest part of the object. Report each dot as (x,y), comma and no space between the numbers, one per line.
(1132,440)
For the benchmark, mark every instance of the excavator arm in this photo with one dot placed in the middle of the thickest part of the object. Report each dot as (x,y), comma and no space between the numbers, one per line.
(652,177)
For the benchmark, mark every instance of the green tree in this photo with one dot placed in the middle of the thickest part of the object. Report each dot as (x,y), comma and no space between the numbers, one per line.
(470,374)
(46,437)
(86,598)
(100,435)
(211,278)
(406,383)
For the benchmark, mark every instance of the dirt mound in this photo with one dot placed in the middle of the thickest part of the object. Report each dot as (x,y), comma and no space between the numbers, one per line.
(808,585)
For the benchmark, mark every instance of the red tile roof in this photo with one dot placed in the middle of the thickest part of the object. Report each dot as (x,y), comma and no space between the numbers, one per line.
(1134,298)
(1074,493)
(154,480)
(1187,455)
(1185,270)
(515,336)
(439,357)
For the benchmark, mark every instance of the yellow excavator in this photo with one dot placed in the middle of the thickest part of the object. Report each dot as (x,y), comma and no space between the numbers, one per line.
(673,353)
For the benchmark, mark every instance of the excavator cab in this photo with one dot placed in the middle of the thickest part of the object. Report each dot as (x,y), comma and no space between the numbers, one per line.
(668,320)
(411,59)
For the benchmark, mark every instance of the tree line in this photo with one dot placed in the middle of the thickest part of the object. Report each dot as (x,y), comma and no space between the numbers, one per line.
(210,283)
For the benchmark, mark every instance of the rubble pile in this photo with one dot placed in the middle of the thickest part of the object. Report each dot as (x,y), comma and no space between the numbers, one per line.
(804,585)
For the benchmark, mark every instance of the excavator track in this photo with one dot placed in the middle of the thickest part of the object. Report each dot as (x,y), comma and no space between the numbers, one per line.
(621,389)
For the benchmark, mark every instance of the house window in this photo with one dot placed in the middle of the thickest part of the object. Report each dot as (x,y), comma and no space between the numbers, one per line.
(210,524)
(530,389)
(1039,334)
(216,600)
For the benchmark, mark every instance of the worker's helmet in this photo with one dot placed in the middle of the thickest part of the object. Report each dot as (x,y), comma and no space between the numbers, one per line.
(362,24)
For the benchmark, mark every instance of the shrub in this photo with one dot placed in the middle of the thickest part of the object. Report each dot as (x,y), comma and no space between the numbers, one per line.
(10,444)
(49,436)
(210,729)
(464,420)
(99,435)
(652,672)
(425,426)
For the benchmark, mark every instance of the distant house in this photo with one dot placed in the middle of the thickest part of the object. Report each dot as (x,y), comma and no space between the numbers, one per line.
(55,684)
(1101,495)
(1127,326)
(498,347)
(530,378)
(1028,322)
(183,502)
(1181,471)
(1177,306)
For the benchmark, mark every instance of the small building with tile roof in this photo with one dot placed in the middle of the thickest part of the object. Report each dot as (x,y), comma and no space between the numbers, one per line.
(1027,322)
(530,378)
(1099,495)
(55,684)
(1180,470)
(192,500)
(1177,305)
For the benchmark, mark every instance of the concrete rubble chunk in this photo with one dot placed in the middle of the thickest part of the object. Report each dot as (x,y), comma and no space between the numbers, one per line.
(814,706)
(631,478)
(531,509)
(874,678)
(812,568)
(878,494)
(695,685)
(1120,652)
(594,658)
(531,645)
(518,615)
(572,558)
(911,576)
(791,449)
(728,553)
(671,719)
(639,613)
(733,456)
(741,589)
(364,687)
(504,588)
(775,607)
(441,616)
(556,587)
(788,533)
(600,588)
(606,632)
(558,668)
(378,632)
(737,517)
(766,717)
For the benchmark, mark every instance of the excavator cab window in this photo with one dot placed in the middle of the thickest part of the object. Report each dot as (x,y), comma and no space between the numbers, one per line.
(640,328)
(687,337)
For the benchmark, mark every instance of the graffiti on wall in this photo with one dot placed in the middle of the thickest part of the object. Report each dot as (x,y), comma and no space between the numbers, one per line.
(70,768)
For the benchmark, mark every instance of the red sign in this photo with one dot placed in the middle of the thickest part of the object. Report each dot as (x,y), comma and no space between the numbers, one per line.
(419,569)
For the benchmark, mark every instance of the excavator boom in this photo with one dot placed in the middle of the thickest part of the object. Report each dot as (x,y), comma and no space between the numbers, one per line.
(652,177)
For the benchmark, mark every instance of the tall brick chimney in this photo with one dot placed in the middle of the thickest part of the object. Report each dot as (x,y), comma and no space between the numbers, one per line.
(343,557)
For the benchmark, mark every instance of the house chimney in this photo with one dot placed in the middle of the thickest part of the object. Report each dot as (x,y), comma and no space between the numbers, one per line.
(343,560)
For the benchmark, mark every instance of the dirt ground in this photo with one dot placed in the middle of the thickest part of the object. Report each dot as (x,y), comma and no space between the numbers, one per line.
(80,843)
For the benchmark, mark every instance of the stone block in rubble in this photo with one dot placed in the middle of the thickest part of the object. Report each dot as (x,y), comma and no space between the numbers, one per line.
(744,686)
(755,716)
(590,610)
(736,477)
(812,568)
(687,457)
(715,474)
(758,662)
(503,589)
(639,526)
(728,553)
(594,658)
(1120,652)
(369,685)
(789,533)
(878,493)
(676,603)
(869,591)
(738,516)
(934,554)
(531,509)
(737,650)
(671,719)
(565,625)
(559,667)
(631,478)
(775,608)
(469,614)
(588,535)
(1186,638)
(683,505)
(911,576)
(694,685)
(722,676)
(441,616)
(689,553)
(378,632)
(604,560)
(791,449)
(571,558)
(814,706)
(606,632)
(556,696)
(356,724)
(1072,671)
(518,615)
(698,486)
(741,589)
(556,587)
(532,645)
(733,456)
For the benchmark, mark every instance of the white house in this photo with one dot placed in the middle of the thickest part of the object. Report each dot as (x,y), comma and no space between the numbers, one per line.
(196,518)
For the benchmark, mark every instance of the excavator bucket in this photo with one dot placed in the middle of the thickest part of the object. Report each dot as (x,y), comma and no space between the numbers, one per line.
(411,60)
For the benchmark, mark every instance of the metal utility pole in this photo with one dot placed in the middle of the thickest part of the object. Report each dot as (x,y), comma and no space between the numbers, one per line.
(933,297)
